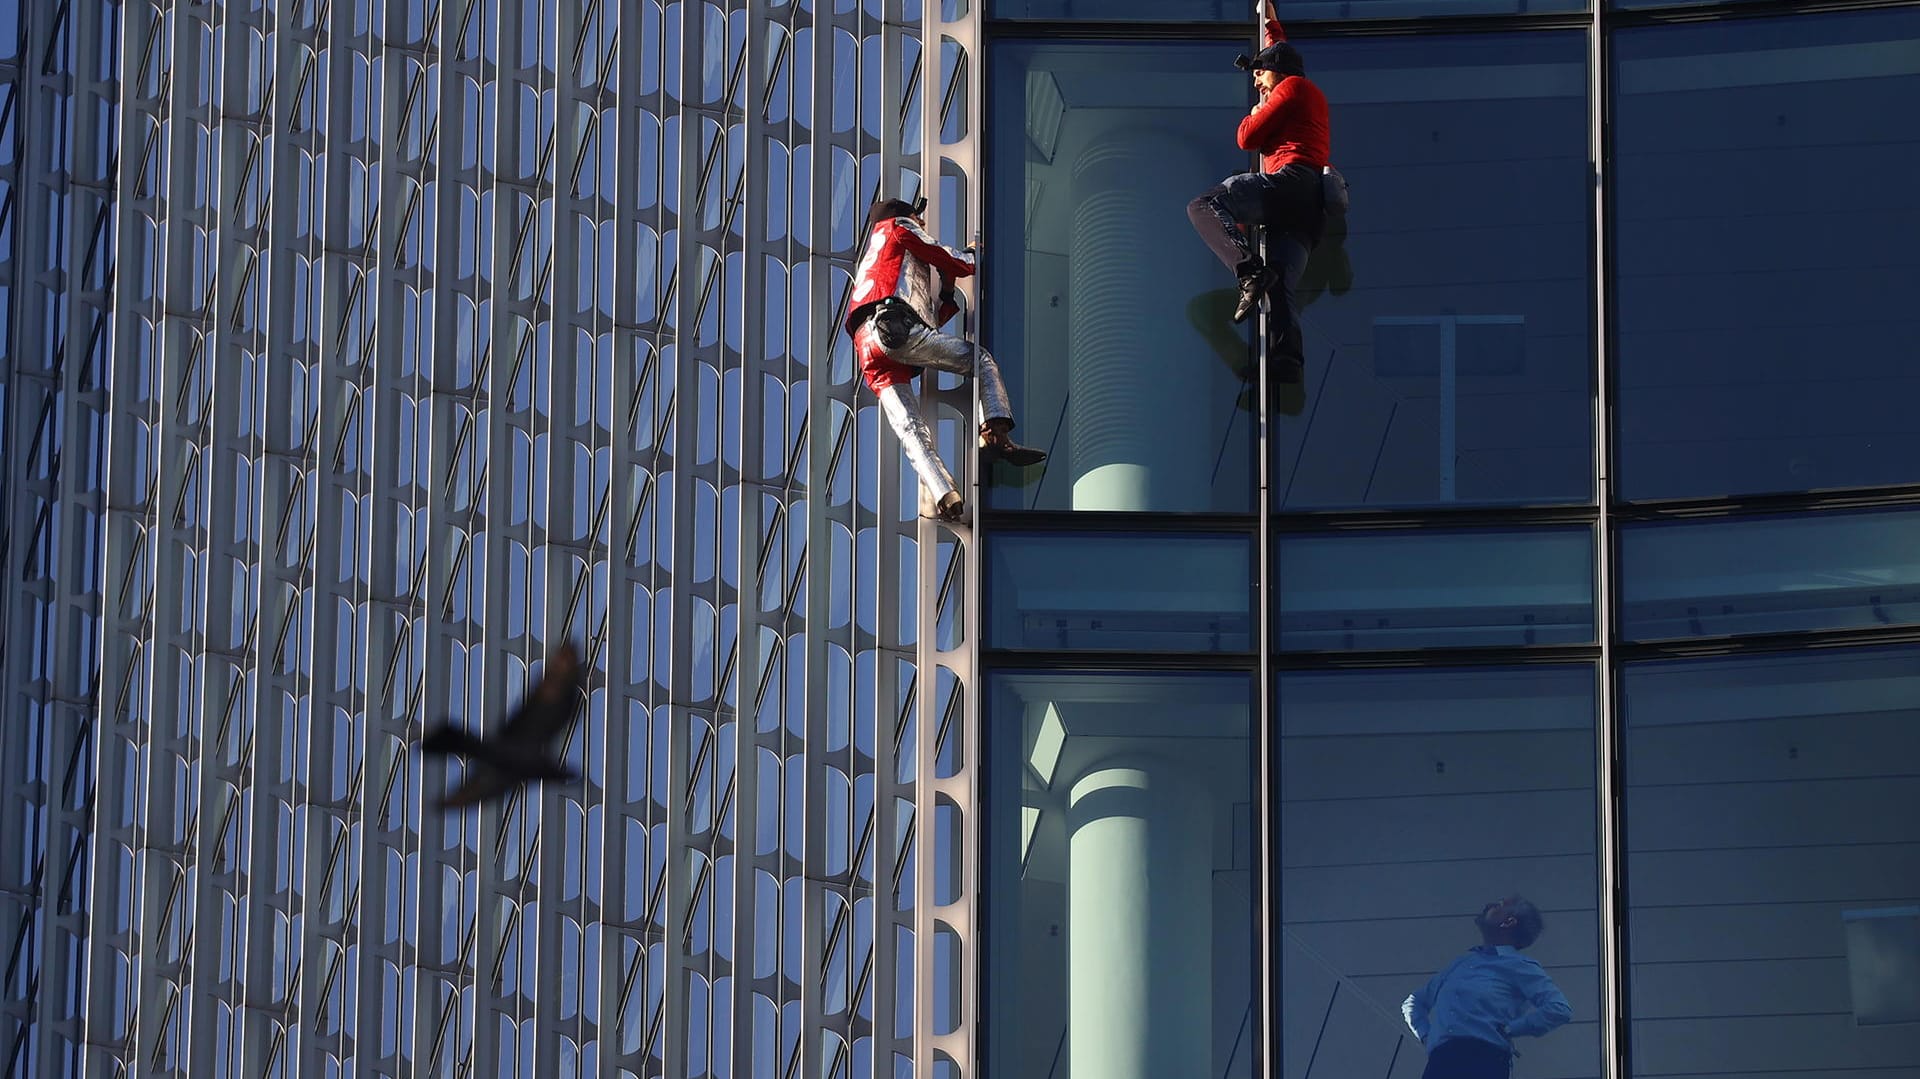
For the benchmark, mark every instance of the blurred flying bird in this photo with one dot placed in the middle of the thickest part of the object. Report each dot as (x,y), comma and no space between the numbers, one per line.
(521,750)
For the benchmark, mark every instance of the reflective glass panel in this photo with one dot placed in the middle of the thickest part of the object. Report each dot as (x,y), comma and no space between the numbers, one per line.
(1436,589)
(1773,864)
(1447,316)
(1120,876)
(1126,10)
(1769,575)
(1105,316)
(1765,227)
(1409,800)
(1191,592)
(1240,10)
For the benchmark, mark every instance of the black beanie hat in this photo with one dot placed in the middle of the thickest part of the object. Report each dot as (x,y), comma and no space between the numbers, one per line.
(1278,57)
(888,209)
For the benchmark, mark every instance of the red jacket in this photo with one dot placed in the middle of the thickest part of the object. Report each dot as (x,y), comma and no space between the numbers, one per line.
(901,260)
(1290,125)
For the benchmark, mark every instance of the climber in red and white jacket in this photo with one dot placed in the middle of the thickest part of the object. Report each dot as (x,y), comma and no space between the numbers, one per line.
(1291,195)
(902,293)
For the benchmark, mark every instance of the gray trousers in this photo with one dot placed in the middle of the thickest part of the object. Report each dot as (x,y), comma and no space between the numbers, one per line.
(928,348)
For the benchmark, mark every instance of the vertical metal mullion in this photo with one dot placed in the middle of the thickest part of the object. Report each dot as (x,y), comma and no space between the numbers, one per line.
(931,536)
(604,336)
(19,913)
(748,663)
(890,631)
(686,295)
(130,525)
(327,591)
(563,373)
(279,606)
(956,920)
(382,723)
(223,547)
(435,988)
(158,864)
(524,817)
(1609,731)
(503,349)
(624,628)
(1266,886)
(730,482)
(70,707)
(822,516)
(823,437)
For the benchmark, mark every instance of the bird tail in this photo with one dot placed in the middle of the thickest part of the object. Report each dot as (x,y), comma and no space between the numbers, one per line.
(445,738)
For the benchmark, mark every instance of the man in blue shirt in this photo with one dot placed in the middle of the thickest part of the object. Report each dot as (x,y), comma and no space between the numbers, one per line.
(1469,1014)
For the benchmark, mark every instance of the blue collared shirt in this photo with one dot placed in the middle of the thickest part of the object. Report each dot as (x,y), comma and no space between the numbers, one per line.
(1493,994)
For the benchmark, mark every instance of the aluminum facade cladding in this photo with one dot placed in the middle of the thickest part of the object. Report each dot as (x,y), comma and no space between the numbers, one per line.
(356,354)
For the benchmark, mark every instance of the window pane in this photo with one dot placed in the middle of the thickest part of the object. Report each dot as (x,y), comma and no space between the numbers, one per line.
(1239,10)
(1436,589)
(1122,860)
(1408,800)
(1765,224)
(1447,332)
(1127,10)
(1770,575)
(1770,832)
(1173,593)
(1104,318)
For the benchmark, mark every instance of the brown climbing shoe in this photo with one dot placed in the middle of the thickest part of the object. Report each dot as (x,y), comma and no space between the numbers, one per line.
(996,445)
(950,508)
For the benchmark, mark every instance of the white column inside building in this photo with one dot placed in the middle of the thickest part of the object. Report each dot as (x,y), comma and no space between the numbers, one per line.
(1143,423)
(1140,920)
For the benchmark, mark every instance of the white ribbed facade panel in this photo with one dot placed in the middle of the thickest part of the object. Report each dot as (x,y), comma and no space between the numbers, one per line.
(357,353)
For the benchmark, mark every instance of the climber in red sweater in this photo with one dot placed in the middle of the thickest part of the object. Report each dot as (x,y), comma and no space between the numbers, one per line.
(1291,195)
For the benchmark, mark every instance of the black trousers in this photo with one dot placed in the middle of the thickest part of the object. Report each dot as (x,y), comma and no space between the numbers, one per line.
(1468,1058)
(1288,205)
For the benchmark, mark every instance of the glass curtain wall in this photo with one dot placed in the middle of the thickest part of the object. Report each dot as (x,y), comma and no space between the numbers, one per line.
(1771,868)
(1576,566)
(1109,317)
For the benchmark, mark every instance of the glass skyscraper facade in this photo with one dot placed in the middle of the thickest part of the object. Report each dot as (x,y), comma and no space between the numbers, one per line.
(359,351)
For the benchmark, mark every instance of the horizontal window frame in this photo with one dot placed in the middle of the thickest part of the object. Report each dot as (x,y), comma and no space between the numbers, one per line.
(1065,522)
(996,27)
(1286,620)
(1305,522)
(1719,10)
(1766,643)
(1814,508)
(1053,659)
(1246,538)
(1830,500)
(1438,658)
(1001,28)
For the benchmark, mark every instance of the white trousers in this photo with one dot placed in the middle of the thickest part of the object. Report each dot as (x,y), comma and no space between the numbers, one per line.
(929,348)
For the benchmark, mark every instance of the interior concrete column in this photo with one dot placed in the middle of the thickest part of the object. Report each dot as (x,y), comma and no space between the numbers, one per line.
(1139,921)
(1138,400)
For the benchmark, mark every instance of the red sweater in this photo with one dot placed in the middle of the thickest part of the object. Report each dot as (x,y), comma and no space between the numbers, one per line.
(1289,126)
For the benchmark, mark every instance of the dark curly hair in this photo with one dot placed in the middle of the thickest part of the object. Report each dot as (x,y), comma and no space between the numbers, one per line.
(1527,924)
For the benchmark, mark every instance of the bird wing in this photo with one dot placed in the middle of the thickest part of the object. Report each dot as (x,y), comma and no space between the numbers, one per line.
(482,783)
(543,715)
